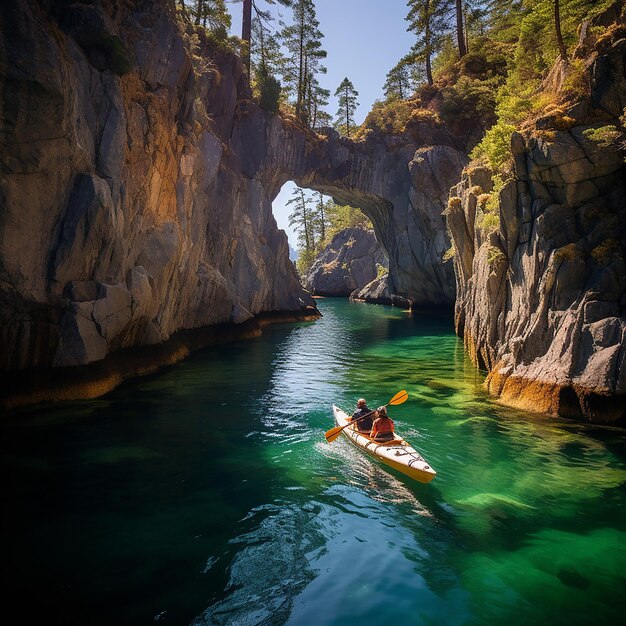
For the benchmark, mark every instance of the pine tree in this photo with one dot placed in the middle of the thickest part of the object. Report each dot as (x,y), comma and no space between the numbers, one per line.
(347,95)
(211,14)
(267,62)
(302,39)
(247,27)
(427,20)
(321,218)
(303,221)
(400,83)
(317,98)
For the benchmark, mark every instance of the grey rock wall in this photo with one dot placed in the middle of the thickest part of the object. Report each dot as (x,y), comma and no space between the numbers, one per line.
(350,261)
(541,300)
(126,213)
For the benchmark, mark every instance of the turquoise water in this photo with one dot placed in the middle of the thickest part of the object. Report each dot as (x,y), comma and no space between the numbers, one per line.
(208,495)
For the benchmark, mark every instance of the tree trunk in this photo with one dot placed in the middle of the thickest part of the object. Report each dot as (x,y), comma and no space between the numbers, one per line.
(429,70)
(199,11)
(301,61)
(559,35)
(246,31)
(459,29)
(347,114)
(428,48)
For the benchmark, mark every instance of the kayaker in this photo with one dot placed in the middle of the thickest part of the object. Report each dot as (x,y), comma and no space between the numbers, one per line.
(364,425)
(382,428)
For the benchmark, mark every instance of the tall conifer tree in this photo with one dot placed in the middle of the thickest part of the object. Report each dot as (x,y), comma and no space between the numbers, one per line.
(303,41)
(427,20)
(347,95)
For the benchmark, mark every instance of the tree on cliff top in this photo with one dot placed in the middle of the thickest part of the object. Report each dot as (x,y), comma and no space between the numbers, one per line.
(427,20)
(400,82)
(211,14)
(247,31)
(302,39)
(347,95)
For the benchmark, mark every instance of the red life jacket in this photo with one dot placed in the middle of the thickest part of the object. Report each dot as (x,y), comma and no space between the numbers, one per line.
(383,425)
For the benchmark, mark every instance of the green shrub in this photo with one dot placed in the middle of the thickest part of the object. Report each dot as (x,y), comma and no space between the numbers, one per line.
(394,116)
(494,255)
(604,136)
(576,83)
(568,252)
(488,222)
(607,251)
(495,147)
(450,253)
(469,100)
(453,203)
(304,262)
(269,93)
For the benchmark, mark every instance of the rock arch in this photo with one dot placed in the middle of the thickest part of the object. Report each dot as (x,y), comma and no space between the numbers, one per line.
(400,183)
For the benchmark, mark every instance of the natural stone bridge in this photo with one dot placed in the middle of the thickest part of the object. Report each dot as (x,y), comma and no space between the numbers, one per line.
(400,183)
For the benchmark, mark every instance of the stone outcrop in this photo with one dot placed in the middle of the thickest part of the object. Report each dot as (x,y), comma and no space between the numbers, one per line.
(401,184)
(350,261)
(377,292)
(127,214)
(136,187)
(541,299)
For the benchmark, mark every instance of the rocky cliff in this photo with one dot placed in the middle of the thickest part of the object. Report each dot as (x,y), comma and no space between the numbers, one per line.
(541,299)
(127,212)
(136,182)
(350,261)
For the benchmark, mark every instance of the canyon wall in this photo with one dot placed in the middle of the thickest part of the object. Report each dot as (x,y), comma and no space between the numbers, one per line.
(541,299)
(126,215)
(136,182)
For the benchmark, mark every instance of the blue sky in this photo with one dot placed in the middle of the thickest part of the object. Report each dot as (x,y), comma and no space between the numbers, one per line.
(364,40)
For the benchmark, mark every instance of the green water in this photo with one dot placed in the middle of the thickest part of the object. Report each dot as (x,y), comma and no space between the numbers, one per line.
(208,495)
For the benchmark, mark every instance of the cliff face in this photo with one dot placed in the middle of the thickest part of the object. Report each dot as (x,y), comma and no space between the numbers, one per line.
(136,190)
(347,263)
(542,299)
(126,215)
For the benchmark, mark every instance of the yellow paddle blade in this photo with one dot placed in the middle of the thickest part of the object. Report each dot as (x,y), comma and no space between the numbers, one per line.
(333,433)
(400,397)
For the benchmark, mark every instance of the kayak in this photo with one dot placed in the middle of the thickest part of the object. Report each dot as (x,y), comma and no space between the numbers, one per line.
(396,453)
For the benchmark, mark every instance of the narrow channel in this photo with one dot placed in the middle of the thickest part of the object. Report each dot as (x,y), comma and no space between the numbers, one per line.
(207,494)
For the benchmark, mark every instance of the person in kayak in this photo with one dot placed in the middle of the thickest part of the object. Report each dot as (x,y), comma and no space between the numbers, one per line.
(382,428)
(364,425)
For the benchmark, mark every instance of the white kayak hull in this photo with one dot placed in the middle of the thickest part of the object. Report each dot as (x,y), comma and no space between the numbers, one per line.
(397,454)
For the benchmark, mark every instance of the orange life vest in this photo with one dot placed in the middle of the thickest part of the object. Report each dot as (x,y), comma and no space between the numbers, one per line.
(382,426)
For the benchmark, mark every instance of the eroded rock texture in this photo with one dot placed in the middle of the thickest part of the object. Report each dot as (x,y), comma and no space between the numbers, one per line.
(126,214)
(350,261)
(542,300)
(136,188)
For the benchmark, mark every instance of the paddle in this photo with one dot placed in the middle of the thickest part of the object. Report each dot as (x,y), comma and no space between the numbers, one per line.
(333,433)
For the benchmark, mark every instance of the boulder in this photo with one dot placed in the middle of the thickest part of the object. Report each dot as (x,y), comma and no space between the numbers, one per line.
(349,262)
